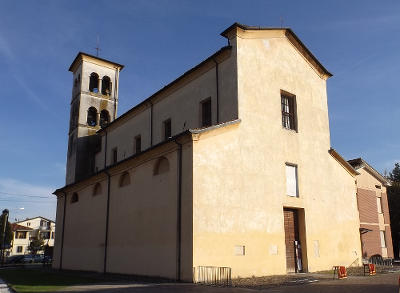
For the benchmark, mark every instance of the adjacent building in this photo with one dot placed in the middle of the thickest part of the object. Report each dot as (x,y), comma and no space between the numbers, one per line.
(21,239)
(28,229)
(230,165)
(376,237)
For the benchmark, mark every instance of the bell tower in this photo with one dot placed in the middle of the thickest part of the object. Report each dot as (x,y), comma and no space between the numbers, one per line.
(93,105)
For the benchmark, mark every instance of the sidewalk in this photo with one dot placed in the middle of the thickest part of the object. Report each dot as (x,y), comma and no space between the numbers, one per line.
(4,288)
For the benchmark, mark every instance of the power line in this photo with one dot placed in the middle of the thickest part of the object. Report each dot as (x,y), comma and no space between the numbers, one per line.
(26,195)
(24,200)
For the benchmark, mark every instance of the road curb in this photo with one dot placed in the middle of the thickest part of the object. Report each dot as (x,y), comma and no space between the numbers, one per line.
(4,287)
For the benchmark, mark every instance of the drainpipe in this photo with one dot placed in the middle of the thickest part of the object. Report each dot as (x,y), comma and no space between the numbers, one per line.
(116,92)
(217,86)
(179,215)
(105,151)
(107,222)
(151,123)
(62,233)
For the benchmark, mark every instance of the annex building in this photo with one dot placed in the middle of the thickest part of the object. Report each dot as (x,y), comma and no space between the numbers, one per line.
(230,165)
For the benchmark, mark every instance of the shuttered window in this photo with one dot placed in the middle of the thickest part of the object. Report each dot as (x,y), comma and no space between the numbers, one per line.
(291,180)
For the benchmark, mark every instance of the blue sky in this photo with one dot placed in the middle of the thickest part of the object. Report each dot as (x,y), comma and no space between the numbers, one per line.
(358,41)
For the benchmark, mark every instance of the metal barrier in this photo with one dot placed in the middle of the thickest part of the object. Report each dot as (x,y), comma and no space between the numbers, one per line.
(209,275)
(380,261)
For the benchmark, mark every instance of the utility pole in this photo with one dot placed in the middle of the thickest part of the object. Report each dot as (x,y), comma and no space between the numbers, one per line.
(5,221)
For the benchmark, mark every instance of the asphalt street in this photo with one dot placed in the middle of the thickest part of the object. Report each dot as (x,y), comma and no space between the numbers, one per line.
(385,283)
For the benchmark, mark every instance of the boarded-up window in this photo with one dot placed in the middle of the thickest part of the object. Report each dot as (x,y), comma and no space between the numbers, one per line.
(125,179)
(291,180)
(383,238)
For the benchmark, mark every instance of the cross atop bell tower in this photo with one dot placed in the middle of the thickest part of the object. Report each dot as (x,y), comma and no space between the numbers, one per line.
(94,104)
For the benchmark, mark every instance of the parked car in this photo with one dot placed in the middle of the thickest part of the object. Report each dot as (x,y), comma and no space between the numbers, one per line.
(14,259)
(38,258)
(27,259)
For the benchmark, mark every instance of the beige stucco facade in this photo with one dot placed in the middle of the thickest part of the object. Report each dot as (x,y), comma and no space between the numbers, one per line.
(220,188)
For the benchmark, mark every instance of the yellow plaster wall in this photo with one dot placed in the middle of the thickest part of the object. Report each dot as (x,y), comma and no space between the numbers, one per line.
(239,175)
(84,234)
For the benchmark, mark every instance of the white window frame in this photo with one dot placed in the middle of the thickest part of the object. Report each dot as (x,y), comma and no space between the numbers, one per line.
(289,188)
(383,238)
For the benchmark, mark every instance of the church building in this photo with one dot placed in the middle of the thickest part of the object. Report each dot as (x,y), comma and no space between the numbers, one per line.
(228,166)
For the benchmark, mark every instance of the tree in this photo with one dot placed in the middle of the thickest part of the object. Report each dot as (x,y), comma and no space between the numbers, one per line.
(395,174)
(36,245)
(393,193)
(8,235)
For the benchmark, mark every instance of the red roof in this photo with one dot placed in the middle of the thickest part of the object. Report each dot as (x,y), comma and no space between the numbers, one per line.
(16,227)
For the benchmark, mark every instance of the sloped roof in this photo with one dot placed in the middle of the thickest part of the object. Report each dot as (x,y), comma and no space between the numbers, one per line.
(292,38)
(35,218)
(149,99)
(343,162)
(171,139)
(359,163)
(80,55)
(16,227)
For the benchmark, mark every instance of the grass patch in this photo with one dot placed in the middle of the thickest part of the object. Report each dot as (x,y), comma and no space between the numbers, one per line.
(43,280)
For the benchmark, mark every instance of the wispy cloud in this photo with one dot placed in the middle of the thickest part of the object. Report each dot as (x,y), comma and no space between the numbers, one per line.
(26,200)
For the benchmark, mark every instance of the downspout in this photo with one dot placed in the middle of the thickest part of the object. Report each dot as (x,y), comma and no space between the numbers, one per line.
(116,92)
(179,215)
(151,124)
(107,222)
(62,233)
(217,86)
(105,151)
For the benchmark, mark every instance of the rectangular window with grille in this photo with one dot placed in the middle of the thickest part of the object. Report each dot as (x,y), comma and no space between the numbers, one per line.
(288,106)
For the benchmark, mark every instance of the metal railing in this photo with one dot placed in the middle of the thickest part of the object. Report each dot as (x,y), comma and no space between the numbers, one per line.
(209,275)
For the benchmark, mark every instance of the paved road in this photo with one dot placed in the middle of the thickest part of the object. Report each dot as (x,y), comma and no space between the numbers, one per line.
(386,283)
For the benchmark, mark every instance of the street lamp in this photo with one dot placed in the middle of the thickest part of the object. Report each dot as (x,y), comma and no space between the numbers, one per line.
(5,221)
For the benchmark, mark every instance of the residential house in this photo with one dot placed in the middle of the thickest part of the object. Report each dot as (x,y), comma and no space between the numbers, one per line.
(42,228)
(21,239)
(376,237)
(229,165)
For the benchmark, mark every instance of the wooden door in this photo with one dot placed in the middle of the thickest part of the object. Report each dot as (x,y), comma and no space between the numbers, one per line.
(291,235)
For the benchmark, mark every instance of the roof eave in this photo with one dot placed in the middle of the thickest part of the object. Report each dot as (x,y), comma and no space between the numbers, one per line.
(225,34)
